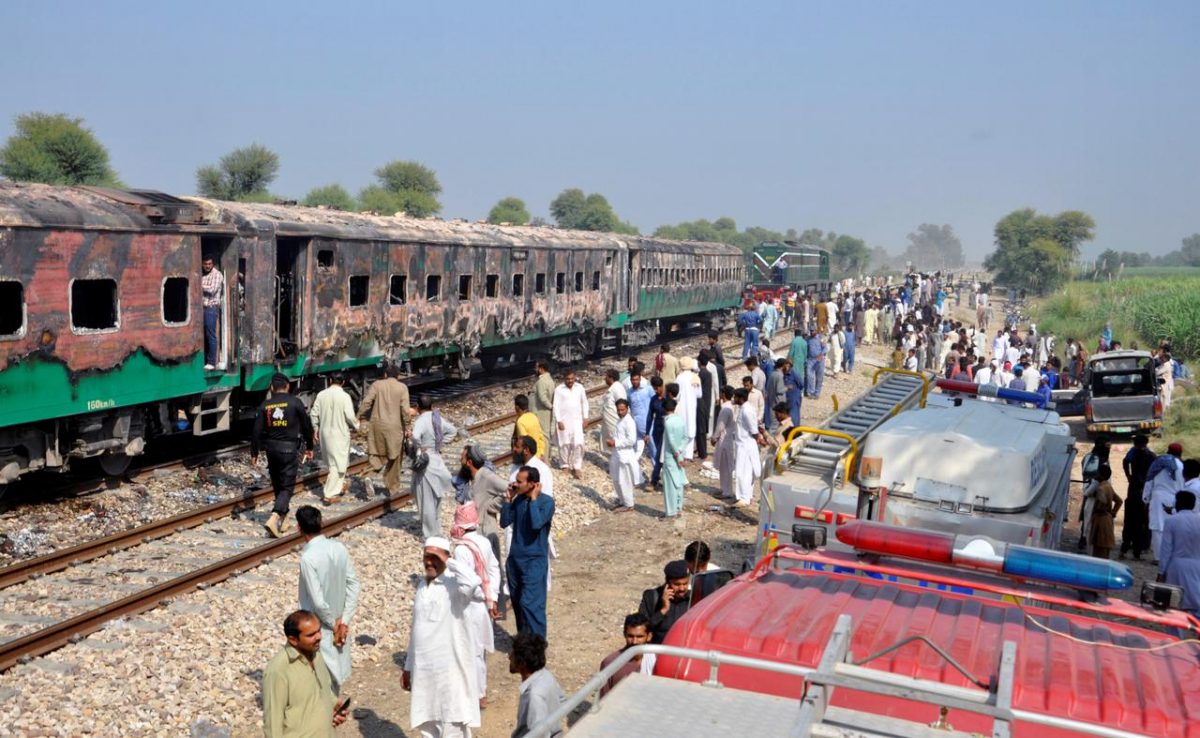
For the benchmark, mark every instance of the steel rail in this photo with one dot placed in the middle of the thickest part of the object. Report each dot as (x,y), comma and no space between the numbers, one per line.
(53,637)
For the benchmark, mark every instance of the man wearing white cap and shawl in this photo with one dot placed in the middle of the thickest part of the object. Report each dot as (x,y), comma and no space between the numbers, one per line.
(472,550)
(440,668)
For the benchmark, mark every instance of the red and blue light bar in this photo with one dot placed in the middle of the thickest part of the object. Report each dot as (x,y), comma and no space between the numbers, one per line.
(981,552)
(990,390)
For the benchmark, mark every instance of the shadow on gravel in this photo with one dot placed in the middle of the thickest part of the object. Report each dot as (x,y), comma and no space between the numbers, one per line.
(370,725)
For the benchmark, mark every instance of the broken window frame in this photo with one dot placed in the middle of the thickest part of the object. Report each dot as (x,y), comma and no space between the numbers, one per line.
(392,294)
(85,331)
(579,281)
(491,286)
(187,302)
(325,259)
(20,332)
(518,285)
(539,283)
(437,294)
(595,279)
(366,292)
(465,282)
(560,283)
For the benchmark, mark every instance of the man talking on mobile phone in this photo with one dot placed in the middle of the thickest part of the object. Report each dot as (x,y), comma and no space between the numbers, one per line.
(297,691)
(666,603)
(530,513)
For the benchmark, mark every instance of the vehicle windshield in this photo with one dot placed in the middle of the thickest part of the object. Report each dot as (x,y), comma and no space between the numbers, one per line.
(1119,384)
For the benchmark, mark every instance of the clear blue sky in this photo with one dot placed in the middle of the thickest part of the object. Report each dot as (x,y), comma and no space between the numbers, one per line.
(864,118)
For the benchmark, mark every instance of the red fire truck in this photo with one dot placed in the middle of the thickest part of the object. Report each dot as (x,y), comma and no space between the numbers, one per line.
(915,633)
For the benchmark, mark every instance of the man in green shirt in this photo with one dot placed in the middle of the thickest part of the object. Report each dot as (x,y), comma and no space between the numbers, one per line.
(798,353)
(297,691)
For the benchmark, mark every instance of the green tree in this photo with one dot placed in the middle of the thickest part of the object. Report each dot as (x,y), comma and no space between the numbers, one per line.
(934,247)
(509,210)
(1035,250)
(849,255)
(242,174)
(573,209)
(55,149)
(330,196)
(404,187)
(1191,249)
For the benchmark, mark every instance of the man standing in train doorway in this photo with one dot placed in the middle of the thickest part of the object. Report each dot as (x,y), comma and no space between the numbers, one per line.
(212,288)
(281,426)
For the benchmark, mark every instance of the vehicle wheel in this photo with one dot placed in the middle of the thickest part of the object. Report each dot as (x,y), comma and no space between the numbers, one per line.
(488,361)
(114,465)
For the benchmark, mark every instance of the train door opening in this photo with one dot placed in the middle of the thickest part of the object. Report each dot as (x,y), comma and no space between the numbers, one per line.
(218,249)
(632,280)
(288,285)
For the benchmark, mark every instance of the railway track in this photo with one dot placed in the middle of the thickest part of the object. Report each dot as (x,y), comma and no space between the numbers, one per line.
(60,598)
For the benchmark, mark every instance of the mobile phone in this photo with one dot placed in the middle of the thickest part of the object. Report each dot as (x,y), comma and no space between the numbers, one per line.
(345,705)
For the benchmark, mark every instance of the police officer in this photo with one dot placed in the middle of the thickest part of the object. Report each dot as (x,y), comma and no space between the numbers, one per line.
(282,426)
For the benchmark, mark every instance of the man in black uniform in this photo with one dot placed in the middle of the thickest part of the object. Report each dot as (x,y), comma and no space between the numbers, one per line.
(281,427)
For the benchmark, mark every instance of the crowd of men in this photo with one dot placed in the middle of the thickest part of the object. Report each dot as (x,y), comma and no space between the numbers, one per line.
(658,423)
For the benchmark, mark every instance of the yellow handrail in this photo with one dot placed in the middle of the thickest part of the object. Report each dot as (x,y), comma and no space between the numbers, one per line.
(919,375)
(817,432)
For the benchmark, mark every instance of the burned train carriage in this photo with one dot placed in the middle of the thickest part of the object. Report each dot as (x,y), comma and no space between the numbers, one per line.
(102,327)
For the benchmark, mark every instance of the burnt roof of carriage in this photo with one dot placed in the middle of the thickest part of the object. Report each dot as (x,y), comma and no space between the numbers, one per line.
(28,205)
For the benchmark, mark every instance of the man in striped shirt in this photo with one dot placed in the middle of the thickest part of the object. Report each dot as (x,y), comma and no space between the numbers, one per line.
(212,287)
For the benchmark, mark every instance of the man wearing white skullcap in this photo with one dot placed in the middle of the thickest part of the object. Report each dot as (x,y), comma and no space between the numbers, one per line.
(439,669)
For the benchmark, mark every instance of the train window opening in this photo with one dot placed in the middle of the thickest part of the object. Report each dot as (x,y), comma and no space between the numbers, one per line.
(579,281)
(433,287)
(608,260)
(12,309)
(398,290)
(560,282)
(518,285)
(174,301)
(491,285)
(464,287)
(596,280)
(539,283)
(94,304)
(360,289)
(325,259)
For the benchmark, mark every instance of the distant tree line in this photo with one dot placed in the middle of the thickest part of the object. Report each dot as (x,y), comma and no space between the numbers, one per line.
(1033,250)
(1111,262)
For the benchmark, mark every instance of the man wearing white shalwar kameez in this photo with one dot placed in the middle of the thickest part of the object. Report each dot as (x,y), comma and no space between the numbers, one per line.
(329,588)
(473,550)
(333,419)
(623,458)
(1159,492)
(689,396)
(570,413)
(747,461)
(615,391)
(440,668)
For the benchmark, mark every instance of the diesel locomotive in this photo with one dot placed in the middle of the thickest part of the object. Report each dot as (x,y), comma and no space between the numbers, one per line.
(102,330)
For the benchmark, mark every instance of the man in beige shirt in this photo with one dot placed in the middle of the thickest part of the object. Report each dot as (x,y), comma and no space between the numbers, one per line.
(388,407)
(297,691)
(541,403)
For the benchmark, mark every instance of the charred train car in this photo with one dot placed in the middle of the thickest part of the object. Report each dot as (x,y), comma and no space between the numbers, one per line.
(101,323)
